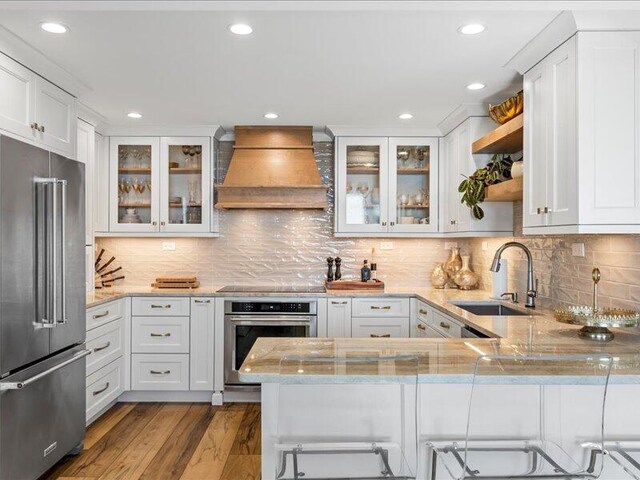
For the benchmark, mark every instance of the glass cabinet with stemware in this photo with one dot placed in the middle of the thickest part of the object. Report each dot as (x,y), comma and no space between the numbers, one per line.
(386,185)
(160,185)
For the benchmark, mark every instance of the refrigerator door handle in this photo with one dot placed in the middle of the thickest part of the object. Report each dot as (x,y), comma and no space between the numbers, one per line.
(35,378)
(51,289)
(63,250)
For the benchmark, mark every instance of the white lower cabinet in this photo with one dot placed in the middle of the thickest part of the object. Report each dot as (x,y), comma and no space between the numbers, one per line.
(339,317)
(201,357)
(369,327)
(104,387)
(164,371)
(381,307)
(444,324)
(106,338)
(160,335)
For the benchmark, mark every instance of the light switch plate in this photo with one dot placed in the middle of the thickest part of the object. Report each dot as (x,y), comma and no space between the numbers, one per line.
(577,249)
(450,245)
(169,246)
(386,245)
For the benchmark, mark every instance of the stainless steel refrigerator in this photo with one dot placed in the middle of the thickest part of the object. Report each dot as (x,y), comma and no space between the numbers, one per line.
(42,309)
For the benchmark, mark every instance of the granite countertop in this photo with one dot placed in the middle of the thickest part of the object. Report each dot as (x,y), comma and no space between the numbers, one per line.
(451,360)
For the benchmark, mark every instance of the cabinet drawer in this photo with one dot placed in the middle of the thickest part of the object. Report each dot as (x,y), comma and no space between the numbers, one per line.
(445,325)
(104,386)
(380,328)
(423,311)
(160,334)
(106,344)
(160,306)
(160,372)
(105,313)
(380,307)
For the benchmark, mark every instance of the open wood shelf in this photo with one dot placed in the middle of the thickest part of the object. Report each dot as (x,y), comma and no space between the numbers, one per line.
(506,138)
(139,171)
(412,171)
(508,191)
(367,170)
(409,207)
(134,205)
(185,170)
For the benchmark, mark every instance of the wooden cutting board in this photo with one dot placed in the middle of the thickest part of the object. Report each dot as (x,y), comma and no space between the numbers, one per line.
(375,285)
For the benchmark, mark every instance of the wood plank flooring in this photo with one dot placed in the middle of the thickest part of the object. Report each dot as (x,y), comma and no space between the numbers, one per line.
(167,441)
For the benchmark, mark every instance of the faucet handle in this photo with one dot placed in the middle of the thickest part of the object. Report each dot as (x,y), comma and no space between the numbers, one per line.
(533,293)
(513,295)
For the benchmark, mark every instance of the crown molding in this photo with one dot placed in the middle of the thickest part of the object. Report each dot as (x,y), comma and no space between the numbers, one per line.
(380,131)
(460,114)
(164,131)
(31,58)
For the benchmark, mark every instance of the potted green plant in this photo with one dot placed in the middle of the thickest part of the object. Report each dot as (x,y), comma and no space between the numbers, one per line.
(472,187)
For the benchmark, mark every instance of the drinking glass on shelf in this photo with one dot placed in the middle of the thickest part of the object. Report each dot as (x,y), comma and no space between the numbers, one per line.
(365,191)
(198,149)
(127,190)
(185,152)
(193,192)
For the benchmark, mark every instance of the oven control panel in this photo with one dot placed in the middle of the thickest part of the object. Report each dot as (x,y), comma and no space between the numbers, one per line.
(271,307)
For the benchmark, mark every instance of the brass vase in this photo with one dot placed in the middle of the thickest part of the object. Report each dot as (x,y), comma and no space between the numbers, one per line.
(452,265)
(465,278)
(439,277)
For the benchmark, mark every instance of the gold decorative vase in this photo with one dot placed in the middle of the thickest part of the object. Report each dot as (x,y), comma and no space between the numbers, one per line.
(452,265)
(466,278)
(439,277)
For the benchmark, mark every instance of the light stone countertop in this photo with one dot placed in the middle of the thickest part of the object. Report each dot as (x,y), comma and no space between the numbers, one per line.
(448,360)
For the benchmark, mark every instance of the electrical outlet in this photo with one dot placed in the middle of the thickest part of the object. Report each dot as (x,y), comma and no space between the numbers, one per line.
(577,249)
(485,246)
(450,245)
(169,246)
(386,245)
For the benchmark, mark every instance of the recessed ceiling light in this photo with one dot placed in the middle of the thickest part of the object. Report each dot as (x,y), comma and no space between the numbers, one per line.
(475,86)
(241,29)
(134,115)
(471,29)
(53,27)
(405,116)
(271,116)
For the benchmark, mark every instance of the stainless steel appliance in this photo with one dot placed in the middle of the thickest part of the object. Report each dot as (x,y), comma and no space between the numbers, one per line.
(246,321)
(469,332)
(42,309)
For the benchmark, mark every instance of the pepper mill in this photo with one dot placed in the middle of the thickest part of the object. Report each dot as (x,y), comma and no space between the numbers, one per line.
(329,269)
(338,272)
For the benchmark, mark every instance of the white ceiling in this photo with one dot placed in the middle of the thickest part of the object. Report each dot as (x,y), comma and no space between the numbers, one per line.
(329,66)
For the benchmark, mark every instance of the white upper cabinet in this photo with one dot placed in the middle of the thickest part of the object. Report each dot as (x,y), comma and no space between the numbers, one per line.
(160,185)
(386,186)
(86,153)
(457,161)
(17,93)
(34,110)
(55,116)
(581,137)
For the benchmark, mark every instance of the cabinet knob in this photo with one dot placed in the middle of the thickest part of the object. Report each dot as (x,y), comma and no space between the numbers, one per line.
(538,210)
(392,223)
(154,223)
(34,126)
(41,128)
(423,311)
(547,209)
(384,224)
(421,327)
(162,224)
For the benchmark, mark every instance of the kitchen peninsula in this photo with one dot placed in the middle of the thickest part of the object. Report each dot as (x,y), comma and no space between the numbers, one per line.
(444,380)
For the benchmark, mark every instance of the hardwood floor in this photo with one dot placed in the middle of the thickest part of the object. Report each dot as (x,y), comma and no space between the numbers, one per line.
(167,441)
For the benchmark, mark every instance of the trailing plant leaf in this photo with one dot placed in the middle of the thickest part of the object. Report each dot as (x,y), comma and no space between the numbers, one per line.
(472,187)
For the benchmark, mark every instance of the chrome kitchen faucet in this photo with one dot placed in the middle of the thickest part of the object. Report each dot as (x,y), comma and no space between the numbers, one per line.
(532,291)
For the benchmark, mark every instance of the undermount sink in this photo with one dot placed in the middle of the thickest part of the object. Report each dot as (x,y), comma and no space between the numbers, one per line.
(489,308)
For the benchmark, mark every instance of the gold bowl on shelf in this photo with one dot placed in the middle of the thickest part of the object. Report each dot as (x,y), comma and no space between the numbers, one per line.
(507,110)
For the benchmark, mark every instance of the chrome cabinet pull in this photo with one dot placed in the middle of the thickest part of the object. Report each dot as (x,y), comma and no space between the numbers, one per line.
(160,306)
(538,210)
(41,128)
(375,307)
(101,315)
(202,301)
(445,325)
(547,210)
(98,392)
(338,303)
(102,347)
(156,372)
(154,223)
(423,311)
(34,126)
(160,334)
(392,223)
(385,335)
(421,327)
(35,378)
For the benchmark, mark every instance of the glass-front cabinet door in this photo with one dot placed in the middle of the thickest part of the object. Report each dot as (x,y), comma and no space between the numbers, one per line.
(134,176)
(413,184)
(362,184)
(185,184)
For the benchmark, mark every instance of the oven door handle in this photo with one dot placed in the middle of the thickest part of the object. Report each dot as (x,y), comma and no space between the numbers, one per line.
(271,323)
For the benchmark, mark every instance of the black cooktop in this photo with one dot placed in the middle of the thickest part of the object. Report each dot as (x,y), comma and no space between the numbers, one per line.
(271,289)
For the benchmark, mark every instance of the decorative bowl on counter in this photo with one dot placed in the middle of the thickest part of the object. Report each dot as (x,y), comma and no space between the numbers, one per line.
(596,323)
(507,110)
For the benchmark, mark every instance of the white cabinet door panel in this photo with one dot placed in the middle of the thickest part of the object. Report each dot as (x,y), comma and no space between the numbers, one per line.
(160,334)
(380,327)
(17,93)
(339,317)
(202,344)
(55,114)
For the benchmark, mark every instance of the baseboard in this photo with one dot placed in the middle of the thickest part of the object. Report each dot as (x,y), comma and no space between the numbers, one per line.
(243,397)
(153,396)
